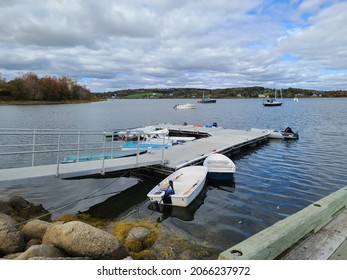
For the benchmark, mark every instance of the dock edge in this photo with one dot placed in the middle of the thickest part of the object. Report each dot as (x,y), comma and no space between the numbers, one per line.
(274,240)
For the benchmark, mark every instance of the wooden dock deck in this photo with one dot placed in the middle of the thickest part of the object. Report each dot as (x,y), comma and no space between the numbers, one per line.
(318,232)
(189,153)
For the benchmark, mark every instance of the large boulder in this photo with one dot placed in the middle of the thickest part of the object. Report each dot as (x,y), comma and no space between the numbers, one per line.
(35,229)
(79,239)
(44,251)
(12,241)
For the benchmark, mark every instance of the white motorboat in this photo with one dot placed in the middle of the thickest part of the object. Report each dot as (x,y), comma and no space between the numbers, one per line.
(181,187)
(287,134)
(185,106)
(162,137)
(220,167)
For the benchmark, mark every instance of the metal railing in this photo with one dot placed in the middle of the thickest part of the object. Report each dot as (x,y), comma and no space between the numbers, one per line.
(26,147)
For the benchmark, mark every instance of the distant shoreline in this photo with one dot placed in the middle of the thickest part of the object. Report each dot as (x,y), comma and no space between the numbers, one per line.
(26,102)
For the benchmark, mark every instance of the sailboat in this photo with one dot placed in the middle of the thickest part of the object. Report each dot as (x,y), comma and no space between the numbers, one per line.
(270,101)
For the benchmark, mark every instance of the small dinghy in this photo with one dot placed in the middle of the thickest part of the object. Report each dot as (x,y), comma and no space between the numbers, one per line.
(181,187)
(287,134)
(220,167)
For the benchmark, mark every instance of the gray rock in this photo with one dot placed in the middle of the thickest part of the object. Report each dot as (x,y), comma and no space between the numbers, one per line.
(12,241)
(35,229)
(11,256)
(18,202)
(138,233)
(43,251)
(5,209)
(32,242)
(79,239)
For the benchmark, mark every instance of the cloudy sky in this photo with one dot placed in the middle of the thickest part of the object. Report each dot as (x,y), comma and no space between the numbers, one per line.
(120,44)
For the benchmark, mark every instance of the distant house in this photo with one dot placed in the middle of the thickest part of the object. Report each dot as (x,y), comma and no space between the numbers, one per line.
(261,95)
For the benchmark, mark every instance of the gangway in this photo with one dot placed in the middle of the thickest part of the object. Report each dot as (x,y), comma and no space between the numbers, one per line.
(26,153)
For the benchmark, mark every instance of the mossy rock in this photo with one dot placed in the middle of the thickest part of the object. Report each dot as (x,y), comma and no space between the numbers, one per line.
(86,218)
(122,229)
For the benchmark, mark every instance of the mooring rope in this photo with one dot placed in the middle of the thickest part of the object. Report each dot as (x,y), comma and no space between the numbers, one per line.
(59,208)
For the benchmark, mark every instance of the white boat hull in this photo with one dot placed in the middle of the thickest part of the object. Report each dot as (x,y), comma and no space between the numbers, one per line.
(188,182)
(278,134)
(185,106)
(220,167)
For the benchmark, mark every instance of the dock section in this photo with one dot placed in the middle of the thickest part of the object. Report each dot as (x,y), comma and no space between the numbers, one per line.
(214,139)
(319,231)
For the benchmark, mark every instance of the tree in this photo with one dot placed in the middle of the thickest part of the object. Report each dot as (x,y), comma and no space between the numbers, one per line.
(32,85)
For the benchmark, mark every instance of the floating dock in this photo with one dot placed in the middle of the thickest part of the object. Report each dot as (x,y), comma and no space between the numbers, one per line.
(318,232)
(208,140)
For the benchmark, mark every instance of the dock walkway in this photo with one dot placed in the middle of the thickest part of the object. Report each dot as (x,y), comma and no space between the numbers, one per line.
(318,232)
(189,153)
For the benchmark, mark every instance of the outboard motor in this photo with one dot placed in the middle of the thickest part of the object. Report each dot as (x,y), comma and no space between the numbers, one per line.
(214,124)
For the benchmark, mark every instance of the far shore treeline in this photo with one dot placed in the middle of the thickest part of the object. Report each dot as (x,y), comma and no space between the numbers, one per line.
(242,92)
(32,89)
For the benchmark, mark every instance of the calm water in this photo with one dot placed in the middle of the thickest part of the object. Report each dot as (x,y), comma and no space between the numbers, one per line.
(272,181)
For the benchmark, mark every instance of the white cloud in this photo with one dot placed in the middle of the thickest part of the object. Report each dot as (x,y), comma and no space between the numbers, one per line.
(162,43)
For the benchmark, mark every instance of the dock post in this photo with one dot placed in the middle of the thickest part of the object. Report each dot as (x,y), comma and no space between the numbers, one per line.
(138,148)
(33,154)
(78,145)
(103,156)
(58,155)
(162,150)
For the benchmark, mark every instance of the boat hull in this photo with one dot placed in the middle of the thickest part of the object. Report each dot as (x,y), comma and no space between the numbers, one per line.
(184,106)
(188,182)
(278,134)
(220,175)
(207,101)
(144,145)
(220,167)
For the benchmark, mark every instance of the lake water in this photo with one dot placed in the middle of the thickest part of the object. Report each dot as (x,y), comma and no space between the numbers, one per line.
(272,181)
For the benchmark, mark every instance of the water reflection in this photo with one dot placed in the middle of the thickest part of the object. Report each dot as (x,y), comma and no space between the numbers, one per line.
(224,185)
(115,205)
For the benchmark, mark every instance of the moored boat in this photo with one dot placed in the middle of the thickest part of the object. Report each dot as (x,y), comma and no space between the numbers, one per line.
(206,99)
(268,102)
(184,106)
(287,134)
(181,187)
(219,167)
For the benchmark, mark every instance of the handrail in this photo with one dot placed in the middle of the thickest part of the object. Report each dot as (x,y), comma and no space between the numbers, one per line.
(35,142)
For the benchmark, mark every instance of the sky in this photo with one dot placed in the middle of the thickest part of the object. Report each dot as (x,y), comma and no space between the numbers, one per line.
(109,45)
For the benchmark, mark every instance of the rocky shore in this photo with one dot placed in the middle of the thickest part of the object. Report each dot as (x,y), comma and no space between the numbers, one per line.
(27,232)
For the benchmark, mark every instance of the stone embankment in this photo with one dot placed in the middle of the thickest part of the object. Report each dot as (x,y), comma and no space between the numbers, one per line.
(26,232)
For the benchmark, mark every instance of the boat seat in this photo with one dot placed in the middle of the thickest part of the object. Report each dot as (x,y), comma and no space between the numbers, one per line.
(218,162)
(166,185)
